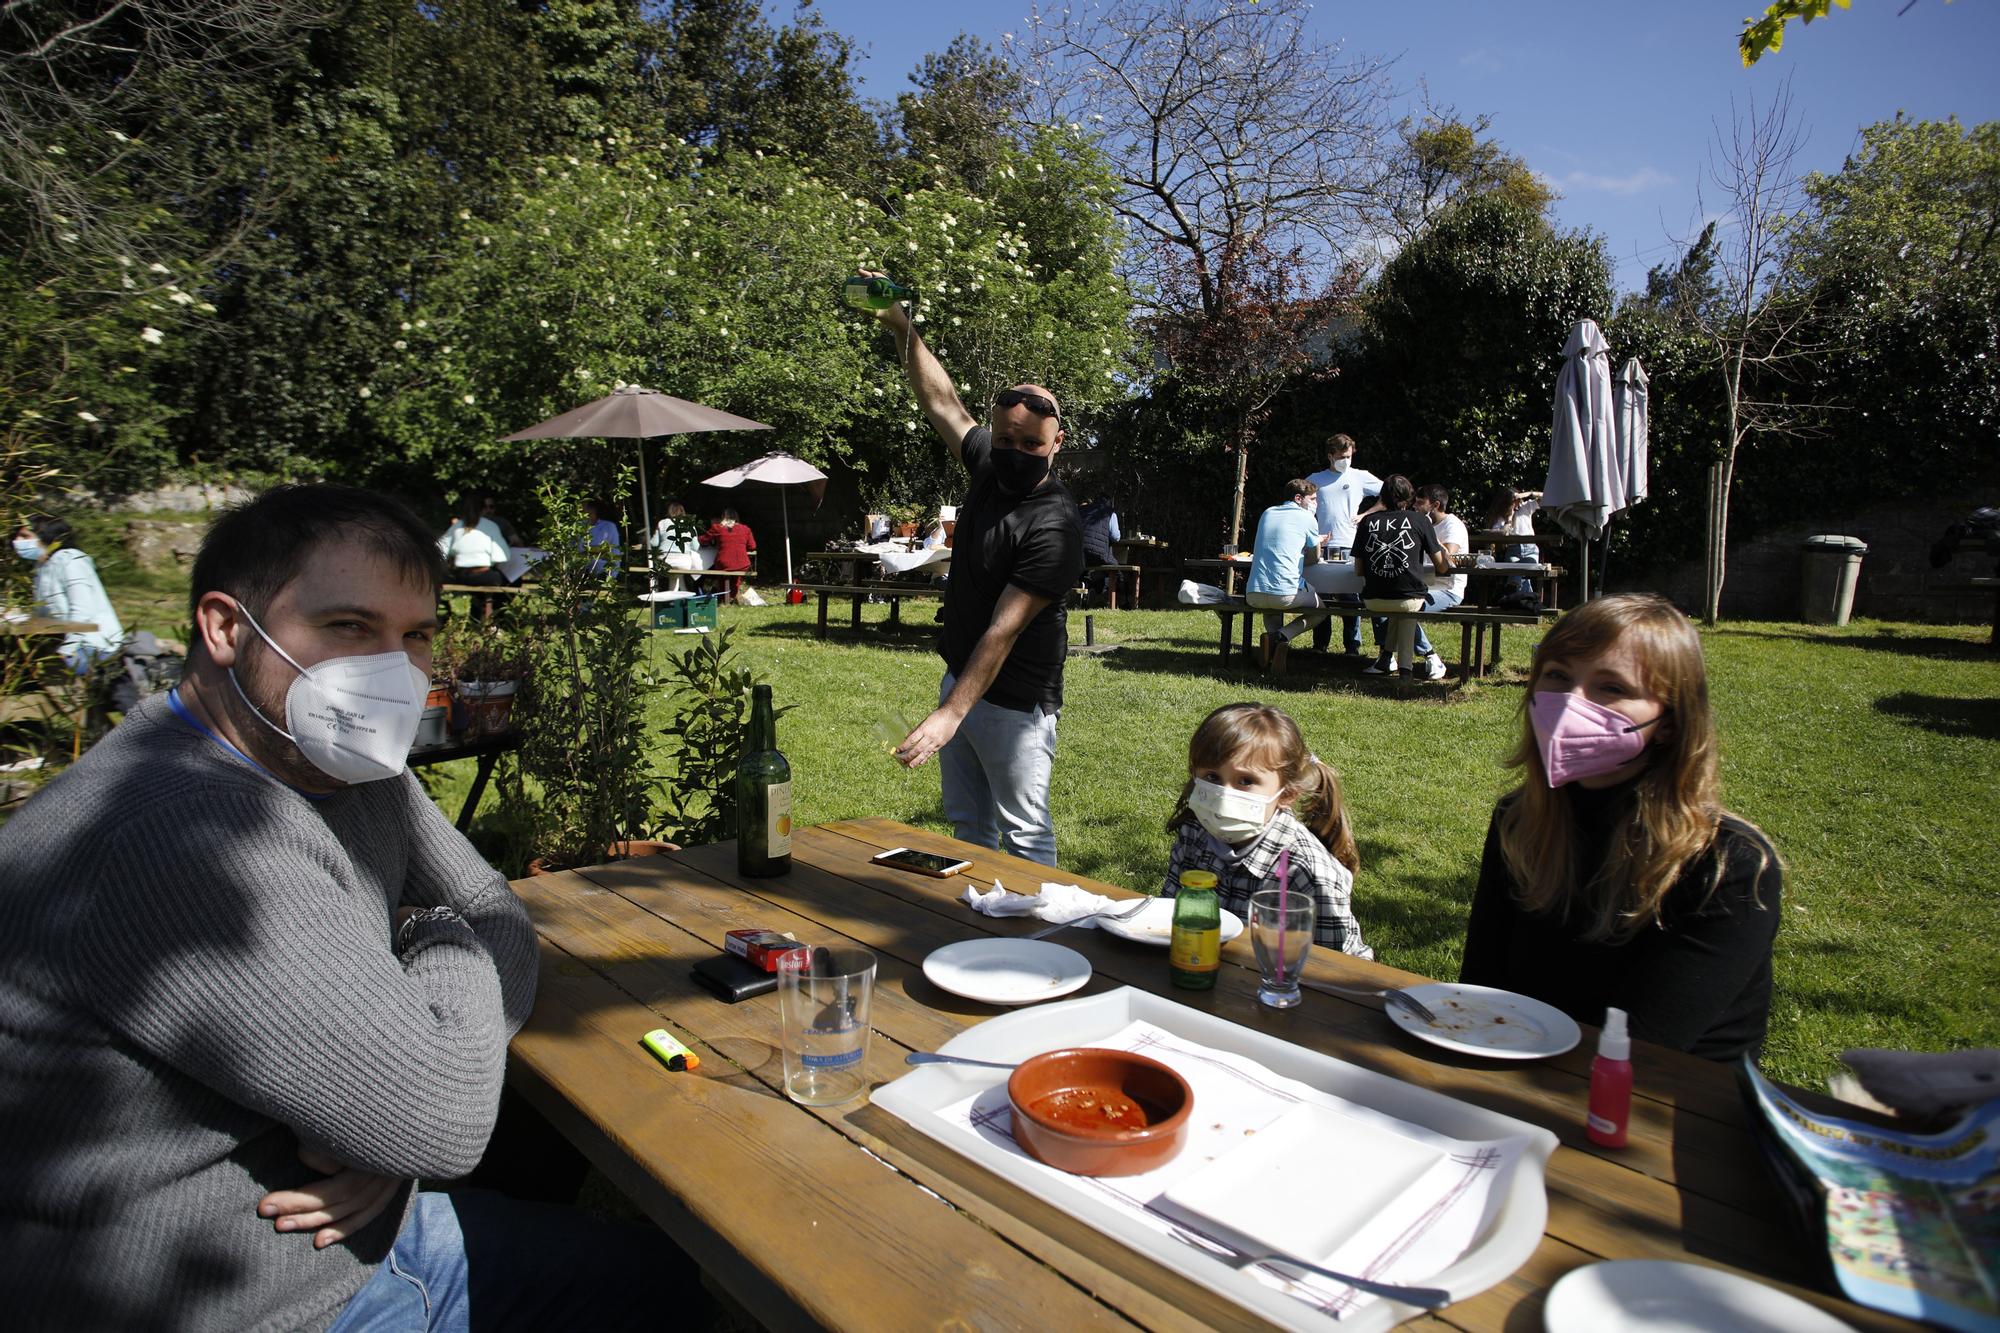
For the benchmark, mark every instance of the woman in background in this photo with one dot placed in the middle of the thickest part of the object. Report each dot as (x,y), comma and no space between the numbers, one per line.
(67,588)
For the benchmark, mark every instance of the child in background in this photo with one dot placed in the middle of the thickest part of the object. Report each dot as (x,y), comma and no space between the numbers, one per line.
(1248,766)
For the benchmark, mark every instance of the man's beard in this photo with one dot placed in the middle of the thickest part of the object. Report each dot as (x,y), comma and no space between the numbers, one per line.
(267,683)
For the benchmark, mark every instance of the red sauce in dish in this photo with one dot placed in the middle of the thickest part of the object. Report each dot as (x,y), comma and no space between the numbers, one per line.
(1089,1109)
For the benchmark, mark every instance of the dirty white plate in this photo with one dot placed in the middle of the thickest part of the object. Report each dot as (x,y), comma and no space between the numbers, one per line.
(1656,1296)
(1479,1020)
(996,971)
(1154,924)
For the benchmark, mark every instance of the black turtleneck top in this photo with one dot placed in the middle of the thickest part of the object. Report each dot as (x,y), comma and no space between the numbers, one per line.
(1700,981)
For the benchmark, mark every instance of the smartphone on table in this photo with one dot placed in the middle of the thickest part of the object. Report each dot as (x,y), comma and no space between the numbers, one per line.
(924,863)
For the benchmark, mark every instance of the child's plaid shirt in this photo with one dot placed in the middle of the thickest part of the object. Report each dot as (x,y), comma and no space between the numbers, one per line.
(1238,874)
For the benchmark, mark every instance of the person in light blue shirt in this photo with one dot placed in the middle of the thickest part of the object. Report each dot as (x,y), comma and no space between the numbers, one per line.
(603,539)
(67,588)
(1345,493)
(1288,539)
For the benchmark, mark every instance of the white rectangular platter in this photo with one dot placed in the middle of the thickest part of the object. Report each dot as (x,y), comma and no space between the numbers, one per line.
(1507,1233)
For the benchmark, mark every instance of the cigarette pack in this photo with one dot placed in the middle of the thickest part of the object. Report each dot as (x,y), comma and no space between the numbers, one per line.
(759,948)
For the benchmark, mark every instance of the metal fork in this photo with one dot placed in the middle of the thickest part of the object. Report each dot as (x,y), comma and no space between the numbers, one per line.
(1404,998)
(1114,913)
(1427,1298)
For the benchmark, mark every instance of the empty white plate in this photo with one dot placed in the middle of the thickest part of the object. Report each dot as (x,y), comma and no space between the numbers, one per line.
(1656,1296)
(1154,924)
(1479,1020)
(997,971)
(1307,1181)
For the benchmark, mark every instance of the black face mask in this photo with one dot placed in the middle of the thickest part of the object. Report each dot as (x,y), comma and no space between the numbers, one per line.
(1017,472)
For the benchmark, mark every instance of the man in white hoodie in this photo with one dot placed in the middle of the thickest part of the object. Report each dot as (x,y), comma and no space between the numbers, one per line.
(1345,493)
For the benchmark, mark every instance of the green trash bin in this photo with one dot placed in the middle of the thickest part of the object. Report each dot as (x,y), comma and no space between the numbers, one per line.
(1829,567)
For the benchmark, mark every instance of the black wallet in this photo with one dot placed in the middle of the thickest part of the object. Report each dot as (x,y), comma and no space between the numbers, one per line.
(732,979)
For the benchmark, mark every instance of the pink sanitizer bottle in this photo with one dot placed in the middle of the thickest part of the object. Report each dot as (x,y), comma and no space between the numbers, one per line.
(1611,1084)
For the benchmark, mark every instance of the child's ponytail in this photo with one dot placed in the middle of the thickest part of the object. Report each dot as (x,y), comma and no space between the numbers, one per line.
(1322,811)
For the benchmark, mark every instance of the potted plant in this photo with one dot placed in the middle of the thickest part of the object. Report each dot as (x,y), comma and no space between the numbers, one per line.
(905,518)
(710,686)
(488,663)
(586,783)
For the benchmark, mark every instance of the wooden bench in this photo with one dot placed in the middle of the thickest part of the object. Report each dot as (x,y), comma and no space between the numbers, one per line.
(857,593)
(1474,657)
(1114,576)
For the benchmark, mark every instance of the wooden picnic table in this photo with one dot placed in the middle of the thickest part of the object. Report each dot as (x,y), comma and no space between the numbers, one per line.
(847,1218)
(40,626)
(1485,578)
(846,565)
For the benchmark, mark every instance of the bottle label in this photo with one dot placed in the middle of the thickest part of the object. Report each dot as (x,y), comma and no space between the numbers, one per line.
(1600,1124)
(1196,950)
(778,819)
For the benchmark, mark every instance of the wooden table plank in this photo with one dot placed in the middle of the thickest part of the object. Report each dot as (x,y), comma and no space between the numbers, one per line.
(1689,1189)
(741,1172)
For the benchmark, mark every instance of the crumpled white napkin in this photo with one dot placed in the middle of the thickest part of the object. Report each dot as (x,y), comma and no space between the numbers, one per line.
(1055,903)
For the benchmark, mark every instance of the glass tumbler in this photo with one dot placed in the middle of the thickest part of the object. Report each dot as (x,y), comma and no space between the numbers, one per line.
(1281,933)
(823,999)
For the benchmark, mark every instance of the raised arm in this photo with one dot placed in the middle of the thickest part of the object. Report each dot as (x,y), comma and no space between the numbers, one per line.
(928,380)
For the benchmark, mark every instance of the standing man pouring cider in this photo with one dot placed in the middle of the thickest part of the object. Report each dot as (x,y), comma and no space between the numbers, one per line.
(1018,552)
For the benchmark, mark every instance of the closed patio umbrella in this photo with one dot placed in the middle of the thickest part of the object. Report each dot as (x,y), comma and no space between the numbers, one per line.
(632,412)
(1584,487)
(774,469)
(1628,396)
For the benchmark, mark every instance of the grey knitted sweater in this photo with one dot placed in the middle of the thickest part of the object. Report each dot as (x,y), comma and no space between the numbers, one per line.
(197,976)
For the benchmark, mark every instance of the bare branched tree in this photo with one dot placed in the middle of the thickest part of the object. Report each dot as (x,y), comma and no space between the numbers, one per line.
(1757,325)
(1229,126)
(83,83)
(1234,133)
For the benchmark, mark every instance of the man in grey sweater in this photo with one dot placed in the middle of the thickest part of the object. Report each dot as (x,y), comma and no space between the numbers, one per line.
(253,984)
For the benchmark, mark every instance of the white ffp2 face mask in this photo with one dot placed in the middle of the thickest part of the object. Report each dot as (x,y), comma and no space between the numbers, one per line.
(353,718)
(1232,816)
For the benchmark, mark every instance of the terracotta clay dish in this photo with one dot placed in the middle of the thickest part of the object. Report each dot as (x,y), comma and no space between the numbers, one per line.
(1093,1111)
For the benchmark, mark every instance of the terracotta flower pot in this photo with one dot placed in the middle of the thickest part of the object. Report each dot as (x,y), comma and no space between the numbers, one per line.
(619,851)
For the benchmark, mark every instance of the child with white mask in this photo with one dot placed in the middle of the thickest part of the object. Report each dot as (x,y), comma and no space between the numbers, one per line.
(1249,770)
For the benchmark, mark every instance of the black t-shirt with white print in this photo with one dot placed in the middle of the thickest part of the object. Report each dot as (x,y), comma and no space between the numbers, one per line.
(1394,547)
(1034,543)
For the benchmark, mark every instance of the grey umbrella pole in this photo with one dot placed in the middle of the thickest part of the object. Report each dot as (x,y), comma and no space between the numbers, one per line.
(646,517)
(785,508)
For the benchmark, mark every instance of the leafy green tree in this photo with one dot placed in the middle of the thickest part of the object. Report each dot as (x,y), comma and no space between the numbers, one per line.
(961,117)
(717,280)
(1899,256)
(1464,337)
(1445,159)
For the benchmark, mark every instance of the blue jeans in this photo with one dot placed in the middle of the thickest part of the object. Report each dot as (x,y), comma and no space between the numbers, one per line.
(476,1259)
(1437,599)
(995,775)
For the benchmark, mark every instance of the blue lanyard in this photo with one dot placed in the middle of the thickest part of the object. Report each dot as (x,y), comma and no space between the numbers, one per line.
(181,712)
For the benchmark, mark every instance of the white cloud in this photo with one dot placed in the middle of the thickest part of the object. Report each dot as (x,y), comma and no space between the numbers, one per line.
(1481,58)
(1632,182)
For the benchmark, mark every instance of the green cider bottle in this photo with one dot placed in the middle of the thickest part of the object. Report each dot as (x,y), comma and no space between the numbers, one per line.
(763,796)
(864,293)
(1196,952)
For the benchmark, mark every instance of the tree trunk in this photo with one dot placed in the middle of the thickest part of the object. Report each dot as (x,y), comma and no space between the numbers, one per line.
(1242,481)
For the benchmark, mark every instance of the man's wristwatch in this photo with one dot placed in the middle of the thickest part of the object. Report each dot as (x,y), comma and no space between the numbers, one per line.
(407,930)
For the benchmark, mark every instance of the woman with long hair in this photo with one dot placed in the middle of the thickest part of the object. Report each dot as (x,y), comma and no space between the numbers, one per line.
(1612,875)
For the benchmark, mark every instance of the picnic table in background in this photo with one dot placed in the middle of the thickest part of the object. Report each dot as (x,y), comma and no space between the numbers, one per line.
(1148,558)
(487,749)
(832,1217)
(44,700)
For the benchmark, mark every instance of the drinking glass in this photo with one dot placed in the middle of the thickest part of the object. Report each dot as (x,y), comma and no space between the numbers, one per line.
(1281,932)
(823,999)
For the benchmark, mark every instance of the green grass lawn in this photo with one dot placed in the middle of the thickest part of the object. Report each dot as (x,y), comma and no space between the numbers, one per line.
(1866,752)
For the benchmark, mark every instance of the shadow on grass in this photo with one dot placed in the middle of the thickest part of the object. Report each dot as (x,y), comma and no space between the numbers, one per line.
(905,637)
(1423,911)
(1888,641)
(1970,718)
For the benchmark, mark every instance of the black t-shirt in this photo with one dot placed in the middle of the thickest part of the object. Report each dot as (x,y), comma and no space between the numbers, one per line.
(1034,543)
(1394,547)
(1700,981)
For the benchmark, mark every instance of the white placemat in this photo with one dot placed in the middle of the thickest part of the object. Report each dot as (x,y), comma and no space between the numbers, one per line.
(1420,1233)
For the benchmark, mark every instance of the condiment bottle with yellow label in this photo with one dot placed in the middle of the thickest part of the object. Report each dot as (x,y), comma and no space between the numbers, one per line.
(1196,954)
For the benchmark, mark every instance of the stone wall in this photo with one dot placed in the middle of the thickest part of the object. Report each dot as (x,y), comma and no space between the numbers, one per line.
(1763,576)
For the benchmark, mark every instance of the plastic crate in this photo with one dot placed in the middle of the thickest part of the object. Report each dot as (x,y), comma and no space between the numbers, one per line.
(686,615)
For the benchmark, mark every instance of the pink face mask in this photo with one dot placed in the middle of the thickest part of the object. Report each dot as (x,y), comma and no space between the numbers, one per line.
(1581,739)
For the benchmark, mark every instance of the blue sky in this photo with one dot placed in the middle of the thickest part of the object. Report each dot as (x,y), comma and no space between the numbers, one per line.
(1614,103)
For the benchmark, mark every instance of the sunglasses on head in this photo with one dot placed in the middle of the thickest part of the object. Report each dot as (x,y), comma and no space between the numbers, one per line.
(1034,402)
